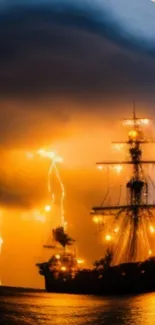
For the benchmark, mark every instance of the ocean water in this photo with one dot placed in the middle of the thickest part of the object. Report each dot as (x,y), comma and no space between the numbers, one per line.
(24,307)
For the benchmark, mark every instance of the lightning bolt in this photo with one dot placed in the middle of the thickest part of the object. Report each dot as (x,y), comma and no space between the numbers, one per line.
(53,168)
(49,181)
(63,223)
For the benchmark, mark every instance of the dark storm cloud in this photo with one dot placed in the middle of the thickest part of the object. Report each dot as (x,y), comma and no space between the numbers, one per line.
(14,195)
(10,198)
(49,52)
(47,49)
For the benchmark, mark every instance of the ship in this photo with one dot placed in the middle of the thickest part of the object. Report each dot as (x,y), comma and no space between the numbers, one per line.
(128,263)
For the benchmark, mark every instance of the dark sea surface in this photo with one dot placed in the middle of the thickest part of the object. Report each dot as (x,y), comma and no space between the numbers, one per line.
(19,306)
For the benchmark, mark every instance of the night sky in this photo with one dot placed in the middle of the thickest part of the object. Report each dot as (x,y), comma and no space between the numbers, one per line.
(68,70)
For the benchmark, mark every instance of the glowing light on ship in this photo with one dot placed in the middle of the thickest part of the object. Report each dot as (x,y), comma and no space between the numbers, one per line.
(80,261)
(118,146)
(133,134)
(63,268)
(138,122)
(47,208)
(57,256)
(100,167)
(128,122)
(108,237)
(118,168)
(97,219)
(152,229)
(145,121)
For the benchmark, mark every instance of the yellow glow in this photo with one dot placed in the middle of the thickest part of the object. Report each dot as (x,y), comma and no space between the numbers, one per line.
(152,230)
(97,219)
(57,256)
(1,241)
(118,168)
(80,261)
(118,146)
(47,208)
(145,121)
(150,252)
(100,167)
(51,155)
(63,268)
(133,134)
(128,122)
(41,152)
(48,154)
(108,237)
(116,230)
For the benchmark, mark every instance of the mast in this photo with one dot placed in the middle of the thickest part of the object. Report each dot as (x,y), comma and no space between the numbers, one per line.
(137,205)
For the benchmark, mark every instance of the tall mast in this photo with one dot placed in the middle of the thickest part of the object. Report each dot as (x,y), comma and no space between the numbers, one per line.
(137,187)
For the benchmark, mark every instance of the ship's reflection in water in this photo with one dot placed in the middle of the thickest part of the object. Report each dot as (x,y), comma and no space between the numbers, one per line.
(42,308)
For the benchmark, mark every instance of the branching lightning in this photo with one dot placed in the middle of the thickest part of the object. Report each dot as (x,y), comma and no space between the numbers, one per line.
(63,223)
(55,159)
(54,168)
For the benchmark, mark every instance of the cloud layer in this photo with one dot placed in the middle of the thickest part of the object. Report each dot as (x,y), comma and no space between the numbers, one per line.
(48,50)
(50,54)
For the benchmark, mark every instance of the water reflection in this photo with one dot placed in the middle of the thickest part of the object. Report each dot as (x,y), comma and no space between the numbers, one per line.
(44,309)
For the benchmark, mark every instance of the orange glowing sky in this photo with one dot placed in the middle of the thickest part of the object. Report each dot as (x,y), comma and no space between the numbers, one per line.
(81,140)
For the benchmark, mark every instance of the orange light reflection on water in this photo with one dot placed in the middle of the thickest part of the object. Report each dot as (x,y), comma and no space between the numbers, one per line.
(58,309)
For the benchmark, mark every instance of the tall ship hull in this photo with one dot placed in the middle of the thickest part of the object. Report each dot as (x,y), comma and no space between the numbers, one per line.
(128,228)
(130,278)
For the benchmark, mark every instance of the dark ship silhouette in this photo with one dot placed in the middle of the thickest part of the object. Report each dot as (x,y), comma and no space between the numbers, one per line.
(128,265)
